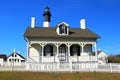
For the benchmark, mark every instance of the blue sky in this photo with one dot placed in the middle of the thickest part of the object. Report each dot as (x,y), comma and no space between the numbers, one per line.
(102,17)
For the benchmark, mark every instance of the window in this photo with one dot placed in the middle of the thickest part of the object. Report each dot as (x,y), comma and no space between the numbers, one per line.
(48,50)
(75,50)
(15,60)
(15,55)
(22,61)
(9,60)
(63,29)
(18,60)
(12,60)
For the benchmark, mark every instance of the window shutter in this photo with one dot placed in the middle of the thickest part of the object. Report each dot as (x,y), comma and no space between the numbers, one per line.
(44,51)
(65,30)
(78,51)
(51,48)
(71,51)
(60,29)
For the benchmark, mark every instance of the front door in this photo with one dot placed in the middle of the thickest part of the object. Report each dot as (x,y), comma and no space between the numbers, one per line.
(62,53)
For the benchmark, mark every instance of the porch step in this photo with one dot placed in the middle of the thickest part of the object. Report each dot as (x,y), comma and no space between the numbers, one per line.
(64,65)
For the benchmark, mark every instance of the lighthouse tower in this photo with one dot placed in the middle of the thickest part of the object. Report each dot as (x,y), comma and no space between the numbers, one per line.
(47,16)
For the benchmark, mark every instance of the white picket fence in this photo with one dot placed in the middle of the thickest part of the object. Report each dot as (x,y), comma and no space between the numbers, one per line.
(13,67)
(74,67)
(64,67)
(109,67)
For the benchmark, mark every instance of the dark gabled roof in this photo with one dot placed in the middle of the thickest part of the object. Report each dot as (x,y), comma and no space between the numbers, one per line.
(17,54)
(51,32)
(4,56)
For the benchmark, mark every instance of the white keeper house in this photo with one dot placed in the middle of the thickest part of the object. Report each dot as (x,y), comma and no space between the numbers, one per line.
(63,45)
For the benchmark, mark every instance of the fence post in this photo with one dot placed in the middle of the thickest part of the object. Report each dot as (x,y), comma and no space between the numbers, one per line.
(119,68)
(110,67)
(71,66)
(58,66)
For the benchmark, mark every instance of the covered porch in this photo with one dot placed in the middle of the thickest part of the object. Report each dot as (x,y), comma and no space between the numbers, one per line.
(55,52)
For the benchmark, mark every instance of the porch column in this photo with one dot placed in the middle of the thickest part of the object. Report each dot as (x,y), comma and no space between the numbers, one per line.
(96,55)
(68,54)
(82,46)
(56,57)
(42,55)
(57,51)
(28,50)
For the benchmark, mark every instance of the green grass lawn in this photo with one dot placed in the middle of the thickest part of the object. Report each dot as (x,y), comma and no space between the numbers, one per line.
(58,76)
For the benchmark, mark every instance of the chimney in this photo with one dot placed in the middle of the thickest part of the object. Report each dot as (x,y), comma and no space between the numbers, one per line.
(82,23)
(32,22)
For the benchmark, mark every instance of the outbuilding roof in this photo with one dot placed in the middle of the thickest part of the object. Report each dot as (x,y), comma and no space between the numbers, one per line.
(3,56)
(17,54)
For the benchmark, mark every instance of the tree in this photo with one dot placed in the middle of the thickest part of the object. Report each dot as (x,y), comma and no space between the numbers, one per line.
(114,59)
